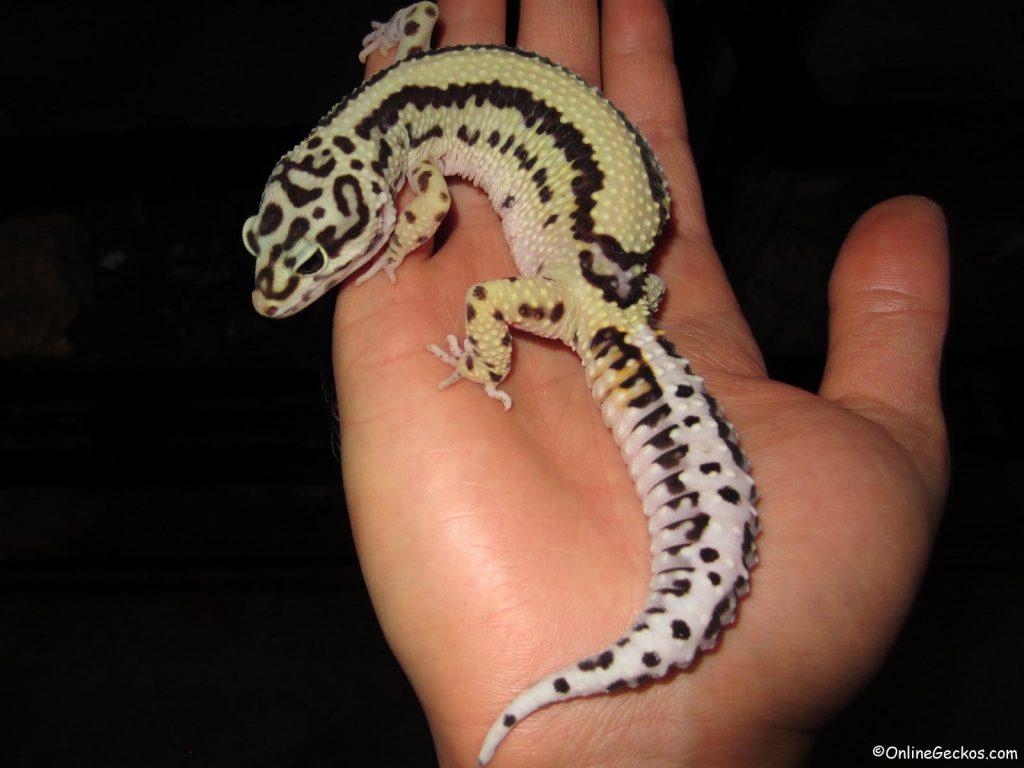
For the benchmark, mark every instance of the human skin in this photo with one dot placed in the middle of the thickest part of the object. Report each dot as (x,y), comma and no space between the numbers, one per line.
(498,547)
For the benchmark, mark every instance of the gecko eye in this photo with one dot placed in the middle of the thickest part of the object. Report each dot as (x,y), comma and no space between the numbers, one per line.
(312,264)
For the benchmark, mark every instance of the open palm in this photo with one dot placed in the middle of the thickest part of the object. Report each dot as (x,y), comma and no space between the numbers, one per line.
(498,546)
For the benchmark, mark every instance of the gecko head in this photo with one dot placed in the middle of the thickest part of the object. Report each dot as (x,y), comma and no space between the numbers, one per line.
(314,228)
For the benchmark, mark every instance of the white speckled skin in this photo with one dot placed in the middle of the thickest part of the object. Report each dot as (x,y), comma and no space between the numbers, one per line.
(582,201)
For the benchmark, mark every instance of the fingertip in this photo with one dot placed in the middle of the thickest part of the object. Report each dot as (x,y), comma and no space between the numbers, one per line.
(896,249)
(889,309)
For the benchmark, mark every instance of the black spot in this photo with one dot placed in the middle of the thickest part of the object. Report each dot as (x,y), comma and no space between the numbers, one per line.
(508,143)
(672,458)
(557,311)
(409,216)
(618,685)
(655,610)
(680,630)
(506,339)
(356,165)
(651,659)
(622,642)
(469,362)
(561,685)
(684,390)
(643,680)
(714,578)
(640,627)
(464,135)
(509,720)
(693,497)
(495,377)
(691,421)
(315,142)
(709,554)
(494,138)
(470,312)
(662,440)
(344,143)
(724,606)
(673,484)
(411,28)
(298,228)
(271,219)
(435,132)
(498,316)
(603,661)
(479,292)
(318,212)
(431,11)
(545,194)
(508,202)
(550,220)
(654,417)
(711,468)
(729,494)
(423,180)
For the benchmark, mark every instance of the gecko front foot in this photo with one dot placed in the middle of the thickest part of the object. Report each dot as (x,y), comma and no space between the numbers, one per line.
(462,361)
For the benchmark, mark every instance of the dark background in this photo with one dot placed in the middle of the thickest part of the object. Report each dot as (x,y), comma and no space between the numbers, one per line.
(178,585)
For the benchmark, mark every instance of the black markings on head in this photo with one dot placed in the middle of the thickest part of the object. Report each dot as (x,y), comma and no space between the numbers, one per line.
(345,186)
(298,228)
(271,219)
(344,143)
(561,685)
(680,630)
(603,661)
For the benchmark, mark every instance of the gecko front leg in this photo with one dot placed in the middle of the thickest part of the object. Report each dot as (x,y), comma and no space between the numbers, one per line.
(535,304)
(418,222)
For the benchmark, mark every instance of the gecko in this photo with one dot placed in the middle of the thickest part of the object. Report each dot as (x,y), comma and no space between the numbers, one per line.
(582,200)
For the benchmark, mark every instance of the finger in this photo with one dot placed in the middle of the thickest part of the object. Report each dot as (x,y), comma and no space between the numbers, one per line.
(472,21)
(542,29)
(889,308)
(639,75)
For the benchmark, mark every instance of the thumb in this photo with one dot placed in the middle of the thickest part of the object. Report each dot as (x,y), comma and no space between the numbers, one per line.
(889,309)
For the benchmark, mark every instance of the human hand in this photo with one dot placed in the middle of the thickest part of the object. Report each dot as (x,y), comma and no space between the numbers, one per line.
(497,547)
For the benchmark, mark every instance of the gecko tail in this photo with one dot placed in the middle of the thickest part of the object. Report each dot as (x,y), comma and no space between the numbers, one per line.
(658,643)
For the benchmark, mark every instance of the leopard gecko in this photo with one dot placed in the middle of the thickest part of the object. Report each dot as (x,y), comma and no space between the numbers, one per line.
(582,200)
